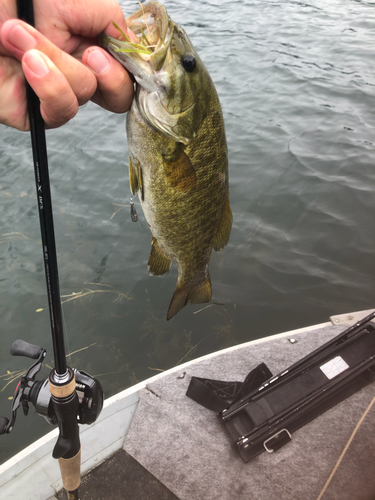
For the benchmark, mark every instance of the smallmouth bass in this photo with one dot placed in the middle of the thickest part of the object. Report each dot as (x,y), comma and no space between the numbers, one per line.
(178,160)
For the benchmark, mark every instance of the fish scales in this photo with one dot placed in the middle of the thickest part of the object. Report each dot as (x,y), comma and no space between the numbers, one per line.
(185,222)
(178,159)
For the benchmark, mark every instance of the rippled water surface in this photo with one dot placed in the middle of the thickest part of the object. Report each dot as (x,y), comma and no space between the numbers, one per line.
(297,86)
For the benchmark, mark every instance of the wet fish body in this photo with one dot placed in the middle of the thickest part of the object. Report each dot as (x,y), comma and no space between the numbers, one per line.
(178,154)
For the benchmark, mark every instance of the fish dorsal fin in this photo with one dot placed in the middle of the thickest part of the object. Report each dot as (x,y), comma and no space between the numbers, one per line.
(179,170)
(223,232)
(135,178)
(158,263)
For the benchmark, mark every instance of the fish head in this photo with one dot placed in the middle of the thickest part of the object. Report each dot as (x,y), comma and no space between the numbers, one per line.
(173,85)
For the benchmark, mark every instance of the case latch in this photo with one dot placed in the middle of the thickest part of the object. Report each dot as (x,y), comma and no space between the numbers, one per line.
(278,440)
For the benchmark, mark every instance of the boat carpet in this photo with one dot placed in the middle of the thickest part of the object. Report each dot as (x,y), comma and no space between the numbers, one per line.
(120,477)
(185,446)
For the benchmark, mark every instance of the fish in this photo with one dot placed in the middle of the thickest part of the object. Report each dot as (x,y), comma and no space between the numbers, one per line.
(178,155)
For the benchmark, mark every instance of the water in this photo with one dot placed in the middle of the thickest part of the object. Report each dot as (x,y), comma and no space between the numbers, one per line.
(297,83)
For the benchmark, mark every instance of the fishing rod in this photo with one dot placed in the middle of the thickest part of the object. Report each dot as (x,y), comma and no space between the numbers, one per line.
(68,396)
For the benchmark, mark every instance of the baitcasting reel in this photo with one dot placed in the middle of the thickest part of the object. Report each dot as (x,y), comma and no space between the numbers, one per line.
(89,391)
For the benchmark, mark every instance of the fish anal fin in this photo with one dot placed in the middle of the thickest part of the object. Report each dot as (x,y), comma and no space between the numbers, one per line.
(225,226)
(195,295)
(158,263)
(179,171)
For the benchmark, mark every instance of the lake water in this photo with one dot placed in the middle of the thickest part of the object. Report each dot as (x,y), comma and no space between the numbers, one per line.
(297,86)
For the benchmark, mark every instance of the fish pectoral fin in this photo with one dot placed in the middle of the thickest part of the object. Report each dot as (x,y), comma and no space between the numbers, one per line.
(158,263)
(194,295)
(179,171)
(223,232)
(135,178)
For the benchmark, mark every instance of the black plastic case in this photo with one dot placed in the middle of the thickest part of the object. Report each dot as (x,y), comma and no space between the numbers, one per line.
(262,412)
(265,419)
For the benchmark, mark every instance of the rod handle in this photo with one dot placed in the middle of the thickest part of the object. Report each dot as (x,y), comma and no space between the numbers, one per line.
(70,469)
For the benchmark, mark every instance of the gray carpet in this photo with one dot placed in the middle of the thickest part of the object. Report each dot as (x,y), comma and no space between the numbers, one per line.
(184,445)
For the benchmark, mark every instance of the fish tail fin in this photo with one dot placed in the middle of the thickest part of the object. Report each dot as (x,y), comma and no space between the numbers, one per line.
(195,295)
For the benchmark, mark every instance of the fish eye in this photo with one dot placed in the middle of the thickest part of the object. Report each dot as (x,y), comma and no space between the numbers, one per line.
(189,62)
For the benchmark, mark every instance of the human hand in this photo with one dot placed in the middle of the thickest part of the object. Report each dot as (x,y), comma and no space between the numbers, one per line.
(61,61)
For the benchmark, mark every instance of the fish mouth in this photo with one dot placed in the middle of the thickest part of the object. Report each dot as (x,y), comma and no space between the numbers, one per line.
(154,30)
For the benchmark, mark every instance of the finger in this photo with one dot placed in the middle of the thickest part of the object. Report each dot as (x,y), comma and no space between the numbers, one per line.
(19,37)
(58,103)
(93,17)
(115,87)
(13,109)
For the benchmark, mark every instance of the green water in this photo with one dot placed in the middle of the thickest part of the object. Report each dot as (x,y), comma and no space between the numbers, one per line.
(297,86)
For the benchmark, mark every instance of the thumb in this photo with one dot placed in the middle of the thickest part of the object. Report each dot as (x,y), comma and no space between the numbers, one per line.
(115,87)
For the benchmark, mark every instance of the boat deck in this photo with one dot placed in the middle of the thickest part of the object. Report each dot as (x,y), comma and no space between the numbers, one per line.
(176,449)
(120,477)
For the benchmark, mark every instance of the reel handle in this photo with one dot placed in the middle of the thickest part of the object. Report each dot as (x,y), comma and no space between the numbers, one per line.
(3,425)
(22,348)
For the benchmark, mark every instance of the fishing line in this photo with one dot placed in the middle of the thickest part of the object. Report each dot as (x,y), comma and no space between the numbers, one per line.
(346,449)
(65,332)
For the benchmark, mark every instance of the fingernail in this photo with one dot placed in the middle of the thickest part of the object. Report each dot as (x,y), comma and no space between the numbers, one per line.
(98,61)
(35,62)
(21,39)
